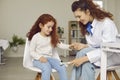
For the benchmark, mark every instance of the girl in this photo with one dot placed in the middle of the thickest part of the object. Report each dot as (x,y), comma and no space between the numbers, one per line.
(98,27)
(44,39)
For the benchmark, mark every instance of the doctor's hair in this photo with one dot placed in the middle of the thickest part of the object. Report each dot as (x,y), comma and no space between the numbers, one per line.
(94,9)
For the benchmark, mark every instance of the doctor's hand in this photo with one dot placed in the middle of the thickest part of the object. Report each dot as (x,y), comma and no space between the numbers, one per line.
(78,61)
(77,46)
(43,59)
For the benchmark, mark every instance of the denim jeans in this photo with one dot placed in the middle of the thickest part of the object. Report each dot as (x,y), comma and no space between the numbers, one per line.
(47,67)
(86,70)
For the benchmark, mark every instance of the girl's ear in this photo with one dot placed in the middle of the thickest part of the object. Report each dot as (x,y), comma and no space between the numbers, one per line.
(40,25)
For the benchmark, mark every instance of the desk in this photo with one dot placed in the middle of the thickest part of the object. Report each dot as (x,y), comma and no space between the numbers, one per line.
(112,47)
(1,52)
(3,46)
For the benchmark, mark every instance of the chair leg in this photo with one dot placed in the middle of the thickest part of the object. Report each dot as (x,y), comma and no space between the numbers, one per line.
(52,77)
(98,78)
(38,77)
(116,75)
(109,75)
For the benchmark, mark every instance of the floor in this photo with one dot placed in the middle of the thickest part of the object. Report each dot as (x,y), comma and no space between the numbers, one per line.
(14,70)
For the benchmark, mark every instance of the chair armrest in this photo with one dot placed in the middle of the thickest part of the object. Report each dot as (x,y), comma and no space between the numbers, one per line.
(111,47)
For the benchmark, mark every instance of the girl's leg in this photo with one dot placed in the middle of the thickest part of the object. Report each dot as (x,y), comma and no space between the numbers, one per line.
(60,69)
(45,68)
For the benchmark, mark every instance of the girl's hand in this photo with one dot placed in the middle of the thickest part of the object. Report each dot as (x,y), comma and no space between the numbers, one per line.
(72,46)
(43,59)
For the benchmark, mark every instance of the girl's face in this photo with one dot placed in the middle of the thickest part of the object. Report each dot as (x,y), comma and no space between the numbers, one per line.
(46,29)
(82,16)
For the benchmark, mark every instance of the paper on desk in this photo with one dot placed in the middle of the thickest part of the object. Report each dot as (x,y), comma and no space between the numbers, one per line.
(4,44)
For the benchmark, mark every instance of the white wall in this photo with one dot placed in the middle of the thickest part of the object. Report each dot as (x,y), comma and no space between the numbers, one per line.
(117,14)
(113,7)
(17,16)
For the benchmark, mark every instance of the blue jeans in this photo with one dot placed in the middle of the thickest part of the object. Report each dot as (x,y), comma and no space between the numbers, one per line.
(48,66)
(86,70)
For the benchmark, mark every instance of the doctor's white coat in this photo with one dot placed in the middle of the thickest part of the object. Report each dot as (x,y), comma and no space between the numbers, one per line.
(103,31)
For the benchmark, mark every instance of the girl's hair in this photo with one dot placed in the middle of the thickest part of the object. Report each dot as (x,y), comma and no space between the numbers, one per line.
(44,19)
(95,11)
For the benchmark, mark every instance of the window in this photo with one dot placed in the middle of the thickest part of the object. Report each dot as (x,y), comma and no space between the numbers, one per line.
(99,2)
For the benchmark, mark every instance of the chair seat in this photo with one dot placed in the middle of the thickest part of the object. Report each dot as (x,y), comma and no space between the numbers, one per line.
(36,69)
(113,67)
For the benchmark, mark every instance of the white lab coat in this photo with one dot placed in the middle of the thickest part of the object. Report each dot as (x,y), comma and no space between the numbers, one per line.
(103,31)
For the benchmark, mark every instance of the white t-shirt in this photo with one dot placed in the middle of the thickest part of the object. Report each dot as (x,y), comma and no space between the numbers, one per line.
(41,46)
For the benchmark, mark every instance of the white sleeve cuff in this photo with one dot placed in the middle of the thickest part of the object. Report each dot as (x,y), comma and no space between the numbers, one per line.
(94,55)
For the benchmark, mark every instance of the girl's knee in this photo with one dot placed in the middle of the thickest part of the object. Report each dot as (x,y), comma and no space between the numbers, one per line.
(47,69)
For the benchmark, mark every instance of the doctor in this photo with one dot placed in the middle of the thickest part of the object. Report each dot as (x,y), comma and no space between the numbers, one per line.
(97,26)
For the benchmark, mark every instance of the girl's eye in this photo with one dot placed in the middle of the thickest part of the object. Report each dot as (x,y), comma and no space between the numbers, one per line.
(77,16)
(49,26)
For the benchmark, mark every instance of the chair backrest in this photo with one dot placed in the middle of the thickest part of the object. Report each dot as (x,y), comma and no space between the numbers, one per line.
(112,47)
(27,59)
(118,38)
